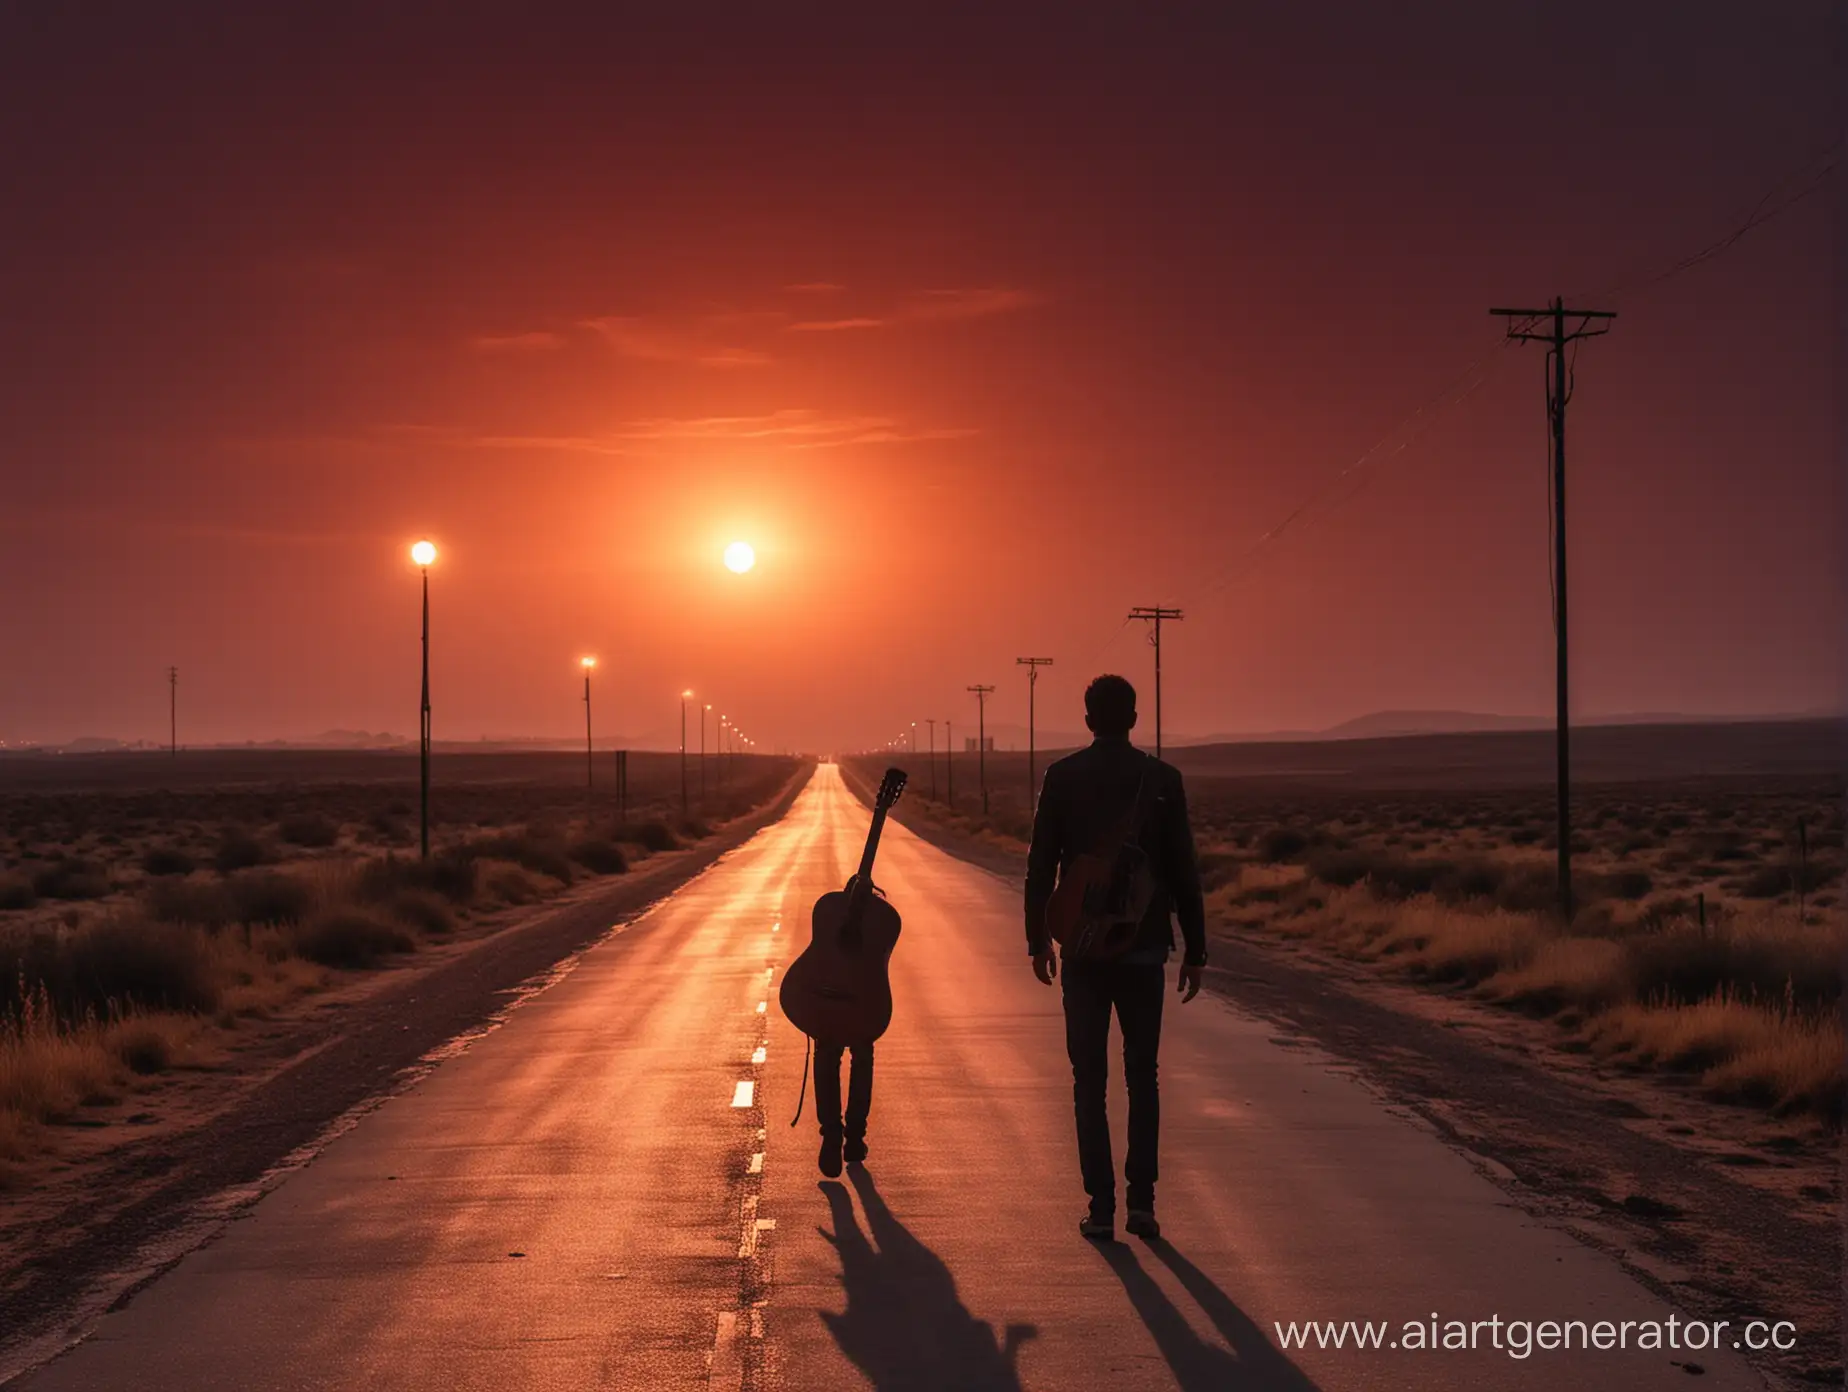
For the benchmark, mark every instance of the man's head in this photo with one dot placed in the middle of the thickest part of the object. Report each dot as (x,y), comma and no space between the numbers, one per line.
(1110,707)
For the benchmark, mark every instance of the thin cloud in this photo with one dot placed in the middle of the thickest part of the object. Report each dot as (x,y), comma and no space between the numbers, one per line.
(658,340)
(835,325)
(815,287)
(795,428)
(967,304)
(927,306)
(536,342)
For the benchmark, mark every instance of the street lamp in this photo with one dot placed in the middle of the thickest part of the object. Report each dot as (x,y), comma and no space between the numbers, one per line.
(590,765)
(685,696)
(702,752)
(423,554)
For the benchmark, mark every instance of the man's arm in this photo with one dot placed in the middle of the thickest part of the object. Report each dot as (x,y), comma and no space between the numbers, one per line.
(1183,873)
(1042,867)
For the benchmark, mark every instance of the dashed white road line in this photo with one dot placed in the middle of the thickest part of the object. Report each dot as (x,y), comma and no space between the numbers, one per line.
(743,1092)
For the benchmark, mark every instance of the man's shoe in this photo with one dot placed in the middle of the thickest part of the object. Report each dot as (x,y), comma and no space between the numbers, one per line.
(1141,1223)
(855,1151)
(1097,1229)
(830,1159)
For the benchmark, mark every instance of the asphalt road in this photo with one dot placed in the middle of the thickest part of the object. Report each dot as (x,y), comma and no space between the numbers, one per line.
(605,1192)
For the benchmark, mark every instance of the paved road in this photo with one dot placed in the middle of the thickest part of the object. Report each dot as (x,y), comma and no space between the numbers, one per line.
(605,1192)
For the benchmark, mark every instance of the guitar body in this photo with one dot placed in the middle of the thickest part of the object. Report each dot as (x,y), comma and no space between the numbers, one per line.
(839,989)
(1076,905)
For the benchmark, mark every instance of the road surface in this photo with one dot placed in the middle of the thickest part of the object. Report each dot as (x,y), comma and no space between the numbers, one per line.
(605,1192)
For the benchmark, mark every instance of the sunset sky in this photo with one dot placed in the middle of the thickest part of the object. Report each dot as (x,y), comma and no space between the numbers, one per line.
(979,330)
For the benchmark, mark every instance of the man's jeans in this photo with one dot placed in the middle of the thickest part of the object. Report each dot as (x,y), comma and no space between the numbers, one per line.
(828,1090)
(1135,991)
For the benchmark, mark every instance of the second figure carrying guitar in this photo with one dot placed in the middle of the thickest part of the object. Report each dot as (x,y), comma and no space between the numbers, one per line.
(838,994)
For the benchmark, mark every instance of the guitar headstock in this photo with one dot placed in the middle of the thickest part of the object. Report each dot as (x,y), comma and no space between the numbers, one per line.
(890,787)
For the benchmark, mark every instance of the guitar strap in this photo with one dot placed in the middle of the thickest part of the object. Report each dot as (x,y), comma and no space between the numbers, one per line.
(802,1096)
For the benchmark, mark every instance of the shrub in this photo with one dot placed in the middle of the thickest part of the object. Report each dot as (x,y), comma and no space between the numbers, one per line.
(349,938)
(509,884)
(652,836)
(1281,843)
(421,910)
(529,852)
(270,897)
(238,850)
(131,960)
(696,830)
(450,874)
(600,857)
(309,829)
(204,905)
(143,1046)
(16,892)
(71,879)
(166,860)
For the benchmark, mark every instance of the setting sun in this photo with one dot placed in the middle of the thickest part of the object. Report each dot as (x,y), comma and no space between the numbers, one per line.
(739,557)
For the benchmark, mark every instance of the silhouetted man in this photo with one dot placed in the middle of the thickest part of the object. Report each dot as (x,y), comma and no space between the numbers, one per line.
(843,1137)
(1086,801)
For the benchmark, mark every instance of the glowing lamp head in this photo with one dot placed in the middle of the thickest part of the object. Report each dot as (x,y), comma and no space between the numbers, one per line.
(588,662)
(423,552)
(686,695)
(739,557)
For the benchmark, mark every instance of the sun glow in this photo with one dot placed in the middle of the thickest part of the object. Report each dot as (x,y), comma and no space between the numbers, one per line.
(739,557)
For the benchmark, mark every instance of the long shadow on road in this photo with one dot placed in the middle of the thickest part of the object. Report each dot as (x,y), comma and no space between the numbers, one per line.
(904,1326)
(1248,1363)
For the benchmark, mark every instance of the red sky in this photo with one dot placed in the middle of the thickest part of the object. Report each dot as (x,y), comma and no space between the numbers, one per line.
(981,330)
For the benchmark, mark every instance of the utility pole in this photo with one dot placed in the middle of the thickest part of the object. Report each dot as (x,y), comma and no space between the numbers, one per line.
(1559,392)
(1157,613)
(949,766)
(590,762)
(981,740)
(702,753)
(933,759)
(1032,664)
(173,712)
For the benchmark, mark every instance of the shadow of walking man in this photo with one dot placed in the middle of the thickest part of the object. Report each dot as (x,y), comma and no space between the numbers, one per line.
(1248,1363)
(904,1326)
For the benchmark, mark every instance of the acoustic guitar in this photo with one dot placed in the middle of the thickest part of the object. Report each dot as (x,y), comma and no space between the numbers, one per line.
(837,989)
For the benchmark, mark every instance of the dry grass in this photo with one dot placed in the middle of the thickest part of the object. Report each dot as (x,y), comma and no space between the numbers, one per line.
(1689,953)
(117,954)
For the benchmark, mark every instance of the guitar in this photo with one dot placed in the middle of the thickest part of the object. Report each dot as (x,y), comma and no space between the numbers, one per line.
(837,989)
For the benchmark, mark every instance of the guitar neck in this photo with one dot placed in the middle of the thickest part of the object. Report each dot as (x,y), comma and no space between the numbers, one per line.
(872,848)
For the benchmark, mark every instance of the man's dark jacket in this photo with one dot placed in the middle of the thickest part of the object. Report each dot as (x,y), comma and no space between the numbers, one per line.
(1081,803)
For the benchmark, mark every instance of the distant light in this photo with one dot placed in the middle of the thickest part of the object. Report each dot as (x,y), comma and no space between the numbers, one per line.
(423,552)
(589,662)
(686,695)
(739,557)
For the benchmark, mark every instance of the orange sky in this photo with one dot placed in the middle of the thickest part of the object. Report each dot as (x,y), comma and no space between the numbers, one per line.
(980,334)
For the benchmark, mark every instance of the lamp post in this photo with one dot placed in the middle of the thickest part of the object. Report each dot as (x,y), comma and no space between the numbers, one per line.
(702,752)
(933,758)
(590,765)
(685,696)
(423,553)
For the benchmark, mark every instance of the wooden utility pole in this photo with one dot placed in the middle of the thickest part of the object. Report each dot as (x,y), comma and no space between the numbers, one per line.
(1156,613)
(933,758)
(949,765)
(981,740)
(1559,392)
(173,712)
(1032,664)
